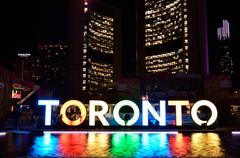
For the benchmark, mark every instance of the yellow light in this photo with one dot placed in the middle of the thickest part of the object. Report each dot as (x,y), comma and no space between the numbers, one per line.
(178,105)
(64,109)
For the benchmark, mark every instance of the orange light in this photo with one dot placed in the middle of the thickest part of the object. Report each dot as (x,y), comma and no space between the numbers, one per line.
(80,106)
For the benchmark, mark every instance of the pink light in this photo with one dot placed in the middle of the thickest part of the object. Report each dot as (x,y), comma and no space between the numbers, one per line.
(3,133)
(110,132)
(236,132)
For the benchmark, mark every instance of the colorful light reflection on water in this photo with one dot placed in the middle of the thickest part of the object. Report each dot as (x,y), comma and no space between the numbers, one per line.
(119,145)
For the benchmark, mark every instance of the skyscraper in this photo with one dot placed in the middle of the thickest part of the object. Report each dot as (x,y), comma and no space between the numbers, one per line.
(95,47)
(23,65)
(167,41)
(225,64)
(50,67)
(168,37)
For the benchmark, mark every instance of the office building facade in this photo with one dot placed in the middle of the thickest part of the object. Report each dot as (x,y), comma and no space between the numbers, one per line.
(95,48)
(168,40)
(49,68)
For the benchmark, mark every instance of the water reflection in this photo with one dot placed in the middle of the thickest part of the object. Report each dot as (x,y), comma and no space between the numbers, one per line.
(15,144)
(72,144)
(97,145)
(180,145)
(153,145)
(124,145)
(119,145)
(203,144)
(45,145)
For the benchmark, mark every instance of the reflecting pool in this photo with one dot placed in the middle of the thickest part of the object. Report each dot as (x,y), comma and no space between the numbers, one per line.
(119,144)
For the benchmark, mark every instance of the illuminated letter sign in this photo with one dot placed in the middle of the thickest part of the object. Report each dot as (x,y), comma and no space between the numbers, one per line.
(99,114)
(148,107)
(82,115)
(117,108)
(195,108)
(48,111)
(178,105)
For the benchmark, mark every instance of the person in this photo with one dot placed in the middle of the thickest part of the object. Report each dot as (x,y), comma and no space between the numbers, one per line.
(60,120)
(126,118)
(33,122)
(40,123)
(16,115)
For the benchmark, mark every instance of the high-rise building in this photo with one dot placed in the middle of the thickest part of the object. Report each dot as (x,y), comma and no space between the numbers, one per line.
(95,47)
(169,38)
(225,64)
(23,65)
(50,67)
(223,32)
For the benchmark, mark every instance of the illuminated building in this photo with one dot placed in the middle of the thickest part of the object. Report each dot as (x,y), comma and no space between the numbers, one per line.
(225,65)
(168,39)
(224,31)
(95,42)
(23,65)
(50,67)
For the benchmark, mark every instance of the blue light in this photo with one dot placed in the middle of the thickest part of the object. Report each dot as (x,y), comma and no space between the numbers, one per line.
(45,146)
(154,145)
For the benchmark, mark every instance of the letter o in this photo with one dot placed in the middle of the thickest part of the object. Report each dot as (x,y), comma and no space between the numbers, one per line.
(80,106)
(117,108)
(211,106)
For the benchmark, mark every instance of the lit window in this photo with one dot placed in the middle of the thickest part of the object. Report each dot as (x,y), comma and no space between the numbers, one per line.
(85,10)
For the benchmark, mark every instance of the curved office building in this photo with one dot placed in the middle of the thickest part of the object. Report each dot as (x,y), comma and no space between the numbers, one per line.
(166,36)
(95,47)
(100,46)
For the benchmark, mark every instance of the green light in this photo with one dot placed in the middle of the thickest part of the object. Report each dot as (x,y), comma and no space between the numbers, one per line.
(124,145)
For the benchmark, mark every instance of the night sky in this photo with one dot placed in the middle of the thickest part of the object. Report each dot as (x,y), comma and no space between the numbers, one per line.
(26,22)
(217,11)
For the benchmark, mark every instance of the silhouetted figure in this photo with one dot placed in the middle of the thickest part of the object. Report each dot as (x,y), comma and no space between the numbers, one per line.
(33,121)
(40,124)
(126,118)
(16,115)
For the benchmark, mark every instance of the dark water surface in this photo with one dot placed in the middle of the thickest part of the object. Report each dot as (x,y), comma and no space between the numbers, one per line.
(223,144)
